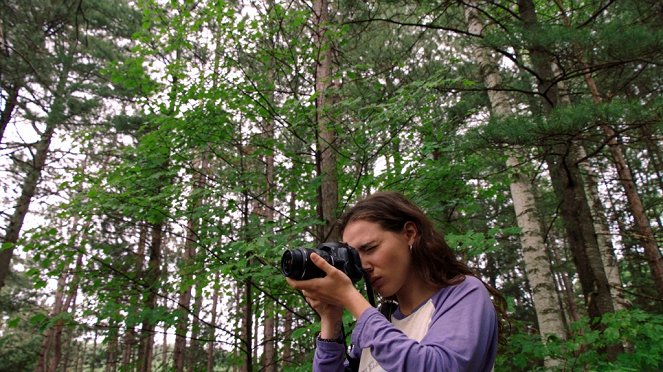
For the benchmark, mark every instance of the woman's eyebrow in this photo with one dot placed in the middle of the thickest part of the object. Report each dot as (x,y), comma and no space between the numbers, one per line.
(366,245)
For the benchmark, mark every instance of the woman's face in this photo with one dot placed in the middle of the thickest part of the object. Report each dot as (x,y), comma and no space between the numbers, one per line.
(385,255)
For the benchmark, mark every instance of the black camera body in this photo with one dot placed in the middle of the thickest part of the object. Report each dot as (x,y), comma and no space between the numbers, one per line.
(297,264)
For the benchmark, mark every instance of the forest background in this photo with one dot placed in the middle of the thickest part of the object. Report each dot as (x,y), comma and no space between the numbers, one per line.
(157,157)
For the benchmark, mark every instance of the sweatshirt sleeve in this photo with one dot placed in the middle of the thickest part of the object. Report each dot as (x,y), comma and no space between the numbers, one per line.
(462,335)
(330,356)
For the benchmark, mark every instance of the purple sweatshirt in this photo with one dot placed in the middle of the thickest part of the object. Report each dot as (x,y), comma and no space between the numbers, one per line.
(455,330)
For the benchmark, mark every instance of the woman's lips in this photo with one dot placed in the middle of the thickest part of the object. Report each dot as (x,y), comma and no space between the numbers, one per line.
(377,282)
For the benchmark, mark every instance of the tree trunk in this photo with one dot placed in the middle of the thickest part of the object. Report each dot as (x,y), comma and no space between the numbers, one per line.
(66,334)
(27,192)
(212,330)
(269,357)
(194,355)
(111,349)
(152,278)
(49,337)
(245,301)
(188,258)
(247,325)
(598,213)
(569,186)
(567,288)
(269,343)
(606,248)
(286,356)
(183,304)
(56,116)
(93,361)
(535,257)
(64,298)
(129,343)
(645,234)
(164,346)
(8,110)
(652,144)
(287,341)
(326,151)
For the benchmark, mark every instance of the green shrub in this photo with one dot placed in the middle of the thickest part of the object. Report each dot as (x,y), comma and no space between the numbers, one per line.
(640,334)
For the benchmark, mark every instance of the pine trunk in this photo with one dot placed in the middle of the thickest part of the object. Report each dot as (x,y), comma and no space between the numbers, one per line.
(562,161)
(129,344)
(64,297)
(326,152)
(653,144)
(164,346)
(269,357)
(56,115)
(606,248)
(247,325)
(93,357)
(597,212)
(111,349)
(287,343)
(152,278)
(49,336)
(212,328)
(183,305)
(566,286)
(269,342)
(28,191)
(188,258)
(8,110)
(645,234)
(194,356)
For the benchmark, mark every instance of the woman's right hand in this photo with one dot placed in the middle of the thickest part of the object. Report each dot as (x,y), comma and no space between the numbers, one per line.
(332,293)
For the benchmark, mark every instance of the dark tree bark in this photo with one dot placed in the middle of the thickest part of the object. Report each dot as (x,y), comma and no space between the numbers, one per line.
(8,110)
(326,152)
(152,279)
(568,184)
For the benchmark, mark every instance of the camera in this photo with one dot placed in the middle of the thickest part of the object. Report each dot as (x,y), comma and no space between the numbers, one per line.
(297,264)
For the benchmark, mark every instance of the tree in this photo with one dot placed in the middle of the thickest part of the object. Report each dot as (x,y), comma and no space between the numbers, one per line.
(326,138)
(63,68)
(532,238)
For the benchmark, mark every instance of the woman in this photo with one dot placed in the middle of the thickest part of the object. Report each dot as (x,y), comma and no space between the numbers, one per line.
(444,321)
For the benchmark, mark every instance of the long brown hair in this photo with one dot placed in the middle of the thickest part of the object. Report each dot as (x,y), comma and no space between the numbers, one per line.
(433,260)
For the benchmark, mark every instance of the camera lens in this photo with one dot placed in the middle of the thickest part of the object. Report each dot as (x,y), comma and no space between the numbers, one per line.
(293,263)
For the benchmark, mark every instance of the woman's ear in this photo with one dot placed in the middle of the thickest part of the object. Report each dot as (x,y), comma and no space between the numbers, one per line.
(411,232)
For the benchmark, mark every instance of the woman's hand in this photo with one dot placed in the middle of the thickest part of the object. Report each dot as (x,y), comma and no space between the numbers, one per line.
(330,294)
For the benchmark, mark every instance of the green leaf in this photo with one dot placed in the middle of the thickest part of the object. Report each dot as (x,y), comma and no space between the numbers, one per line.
(13,322)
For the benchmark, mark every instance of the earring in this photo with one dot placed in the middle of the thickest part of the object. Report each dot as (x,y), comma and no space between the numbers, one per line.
(410,248)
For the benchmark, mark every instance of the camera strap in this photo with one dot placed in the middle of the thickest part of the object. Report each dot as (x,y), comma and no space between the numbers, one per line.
(369,289)
(354,362)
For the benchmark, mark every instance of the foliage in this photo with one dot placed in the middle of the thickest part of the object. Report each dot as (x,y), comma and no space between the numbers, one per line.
(20,340)
(638,332)
(188,140)
(19,350)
